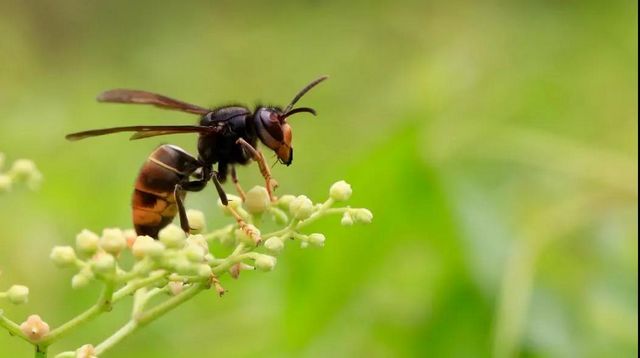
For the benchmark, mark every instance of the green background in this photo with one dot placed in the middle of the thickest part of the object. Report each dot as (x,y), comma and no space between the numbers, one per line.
(495,143)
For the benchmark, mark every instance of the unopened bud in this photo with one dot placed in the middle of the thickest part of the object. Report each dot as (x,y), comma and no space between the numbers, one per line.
(194,252)
(285,200)
(274,245)
(86,351)
(340,191)
(250,235)
(233,201)
(23,169)
(364,216)
(63,256)
(204,270)
(81,279)
(18,294)
(316,239)
(175,287)
(113,241)
(265,262)
(197,222)
(172,236)
(5,183)
(87,242)
(301,207)
(346,220)
(257,200)
(34,328)
(103,263)
(147,246)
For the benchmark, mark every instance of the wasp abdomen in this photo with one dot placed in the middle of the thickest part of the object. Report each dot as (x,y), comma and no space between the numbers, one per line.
(153,202)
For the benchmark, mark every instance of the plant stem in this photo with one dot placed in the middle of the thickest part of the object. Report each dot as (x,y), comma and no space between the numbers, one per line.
(12,327)
(103,305)
(144,318)
(41,351)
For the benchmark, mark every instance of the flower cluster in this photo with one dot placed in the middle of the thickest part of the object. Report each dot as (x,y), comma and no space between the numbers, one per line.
(21,171)
(179,266)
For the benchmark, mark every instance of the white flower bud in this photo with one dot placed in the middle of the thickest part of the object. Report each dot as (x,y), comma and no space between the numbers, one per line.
(81,279)
(5,183)
(234,202)
(103,263)
(364,216)
(316,239)
(63,256)
(147,246)
(194,252)
(172,236)
(18,294)
(301,207)
(175,287)
(257,200)
(243,236)
(183,266)
(279,216)
(285,200)
(197,222)
(23,168)
(346,220)
(87,242)
(265,262)
(274,245)
(340,191)
(113,241)
(204,270)
(34,328)
(86,351)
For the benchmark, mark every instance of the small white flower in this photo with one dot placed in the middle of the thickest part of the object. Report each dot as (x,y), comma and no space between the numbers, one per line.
(194,252)
(23,168)
(285,200)
(233,201)
(86,351)
(340,191)
(301,207)
(346,220)
(243,236)
(274,245)
(175,287)
(5,182)
(18,294)
(364,216)
(103,263)
(113,241)
(316,239)
(63,256)
(34,328)
(265,262)
(81,279)
(204,270)
(197,222)
(257,200)
(172,236)
(87,242)
(147,246)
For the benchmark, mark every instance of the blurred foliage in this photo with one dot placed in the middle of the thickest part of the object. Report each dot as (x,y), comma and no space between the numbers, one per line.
(495,142)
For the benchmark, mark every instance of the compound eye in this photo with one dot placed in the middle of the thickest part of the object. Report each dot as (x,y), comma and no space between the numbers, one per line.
(272,124)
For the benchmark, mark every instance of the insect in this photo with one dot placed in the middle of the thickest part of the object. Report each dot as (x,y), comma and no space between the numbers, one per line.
(227,136)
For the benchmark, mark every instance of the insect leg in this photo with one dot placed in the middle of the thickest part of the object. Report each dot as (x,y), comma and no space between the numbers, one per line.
(241,223)
(178,193)
(234,178)
(271,183)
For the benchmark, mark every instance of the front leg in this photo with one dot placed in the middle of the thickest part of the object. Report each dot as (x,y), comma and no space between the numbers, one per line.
(271,183)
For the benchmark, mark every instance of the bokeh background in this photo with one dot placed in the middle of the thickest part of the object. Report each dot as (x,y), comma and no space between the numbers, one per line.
(495,142)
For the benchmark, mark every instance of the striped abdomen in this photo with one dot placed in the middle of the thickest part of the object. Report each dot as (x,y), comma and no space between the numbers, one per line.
(154,205)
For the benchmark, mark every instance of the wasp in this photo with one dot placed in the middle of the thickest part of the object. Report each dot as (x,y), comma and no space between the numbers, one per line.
(227,136)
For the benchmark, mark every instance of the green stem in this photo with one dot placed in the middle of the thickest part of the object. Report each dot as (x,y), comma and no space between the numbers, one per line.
(147,317)
(41,352)
(103,305)
(12,327)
